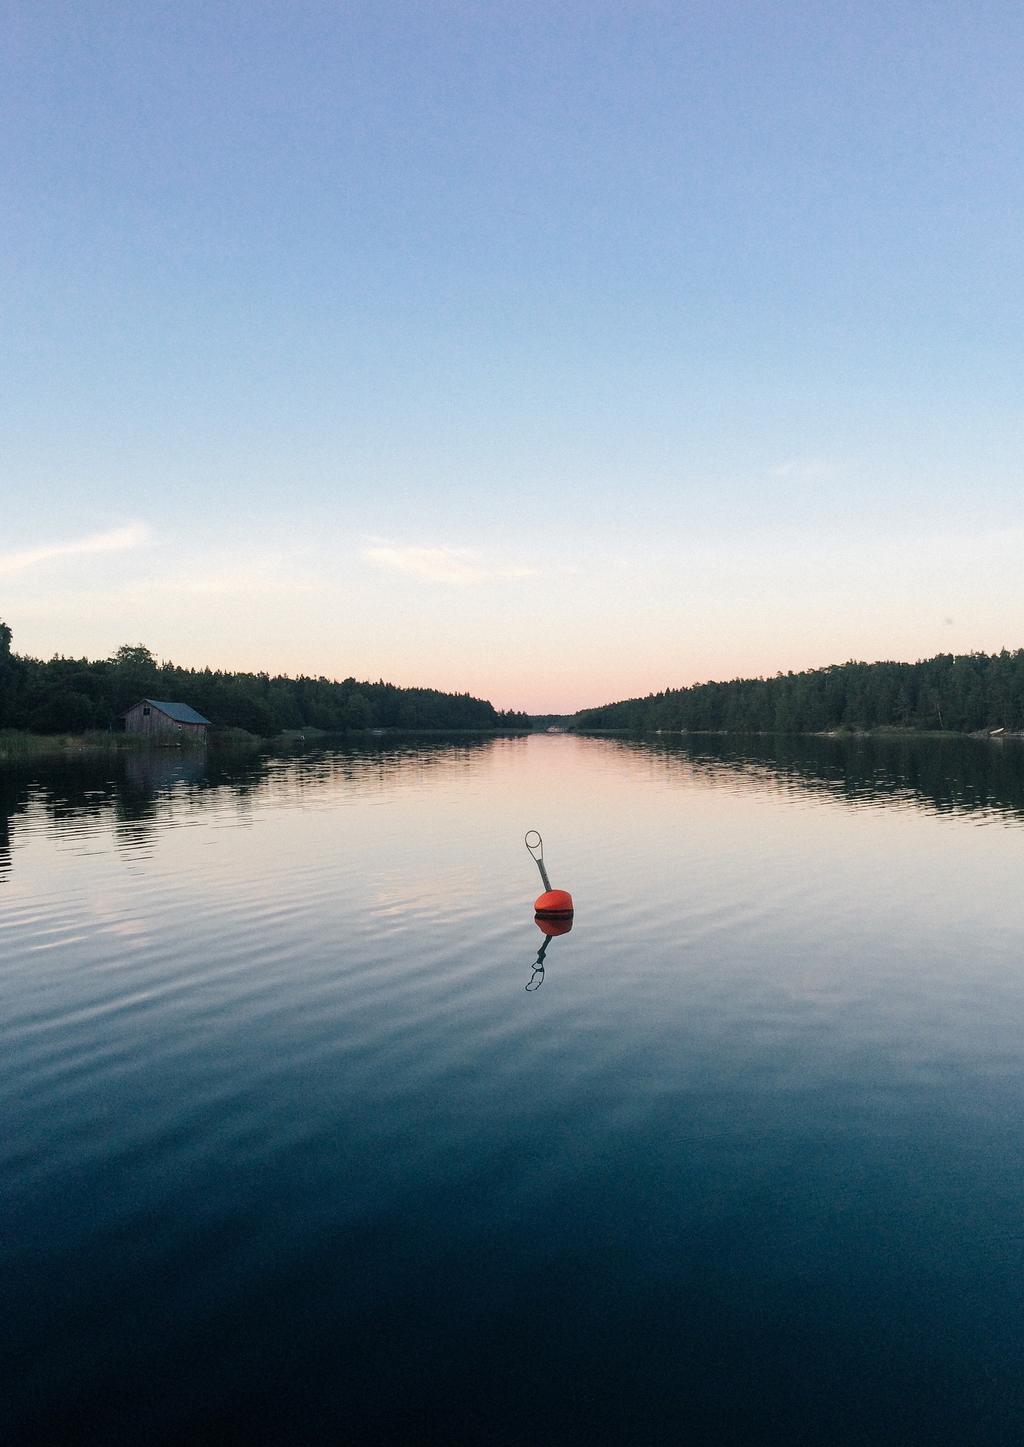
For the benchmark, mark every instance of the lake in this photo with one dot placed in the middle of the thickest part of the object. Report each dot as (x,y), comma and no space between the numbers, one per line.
(301,1145)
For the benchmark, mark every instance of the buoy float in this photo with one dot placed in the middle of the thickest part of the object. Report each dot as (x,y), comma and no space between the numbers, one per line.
(553,904)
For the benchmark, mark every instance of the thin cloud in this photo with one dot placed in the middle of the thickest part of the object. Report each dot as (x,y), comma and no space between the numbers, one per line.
(132,535)
(229,576)
(443,565)
(807,469)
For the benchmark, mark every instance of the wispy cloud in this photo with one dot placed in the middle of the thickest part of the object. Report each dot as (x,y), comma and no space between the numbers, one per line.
(806,469)
(443,565)
(132,535)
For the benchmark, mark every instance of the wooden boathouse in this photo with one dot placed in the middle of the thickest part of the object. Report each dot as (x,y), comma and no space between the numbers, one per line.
(157,716)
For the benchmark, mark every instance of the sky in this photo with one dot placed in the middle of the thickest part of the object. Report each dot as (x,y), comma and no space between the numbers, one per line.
(553,352)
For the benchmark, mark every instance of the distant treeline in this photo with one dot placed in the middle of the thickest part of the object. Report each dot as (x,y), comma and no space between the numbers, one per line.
(74,695)
(959,692)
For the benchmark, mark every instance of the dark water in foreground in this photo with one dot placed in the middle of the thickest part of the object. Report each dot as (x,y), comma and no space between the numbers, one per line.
(291,1154)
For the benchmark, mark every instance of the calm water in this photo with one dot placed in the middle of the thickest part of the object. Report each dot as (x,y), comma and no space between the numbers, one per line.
(291,1153)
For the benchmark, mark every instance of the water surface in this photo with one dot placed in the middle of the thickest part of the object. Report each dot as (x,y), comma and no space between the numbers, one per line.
(291,1153)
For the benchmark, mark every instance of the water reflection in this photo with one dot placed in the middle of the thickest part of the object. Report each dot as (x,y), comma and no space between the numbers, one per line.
(946,776)
(550,929)
(140,792)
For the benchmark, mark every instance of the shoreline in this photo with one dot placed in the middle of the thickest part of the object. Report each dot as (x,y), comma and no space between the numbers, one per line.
(18,745)
(884,731)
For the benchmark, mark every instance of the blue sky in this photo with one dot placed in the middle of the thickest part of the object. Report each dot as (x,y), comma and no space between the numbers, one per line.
(554,352)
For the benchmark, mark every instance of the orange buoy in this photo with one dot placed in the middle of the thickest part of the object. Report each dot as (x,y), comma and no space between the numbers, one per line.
(553,904)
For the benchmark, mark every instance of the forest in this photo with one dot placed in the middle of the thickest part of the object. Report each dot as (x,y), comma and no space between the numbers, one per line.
(75,695)
(961,693)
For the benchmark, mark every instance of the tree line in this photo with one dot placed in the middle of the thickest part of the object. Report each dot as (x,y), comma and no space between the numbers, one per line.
(75,695)
(963,693)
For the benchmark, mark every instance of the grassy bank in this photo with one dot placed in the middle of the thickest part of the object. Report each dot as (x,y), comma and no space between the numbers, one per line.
(17,745)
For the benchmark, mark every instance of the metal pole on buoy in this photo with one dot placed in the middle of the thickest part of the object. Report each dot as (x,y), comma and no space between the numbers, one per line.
(537,855)
(553,903)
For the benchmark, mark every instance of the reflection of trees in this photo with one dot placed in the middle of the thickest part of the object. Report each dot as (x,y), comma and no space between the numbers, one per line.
(135,792)
(5,837)
(138,790)
(954,775)
(147,780)
(64,792)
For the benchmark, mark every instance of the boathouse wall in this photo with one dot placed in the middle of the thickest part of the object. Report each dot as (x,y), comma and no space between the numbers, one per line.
(148,717)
